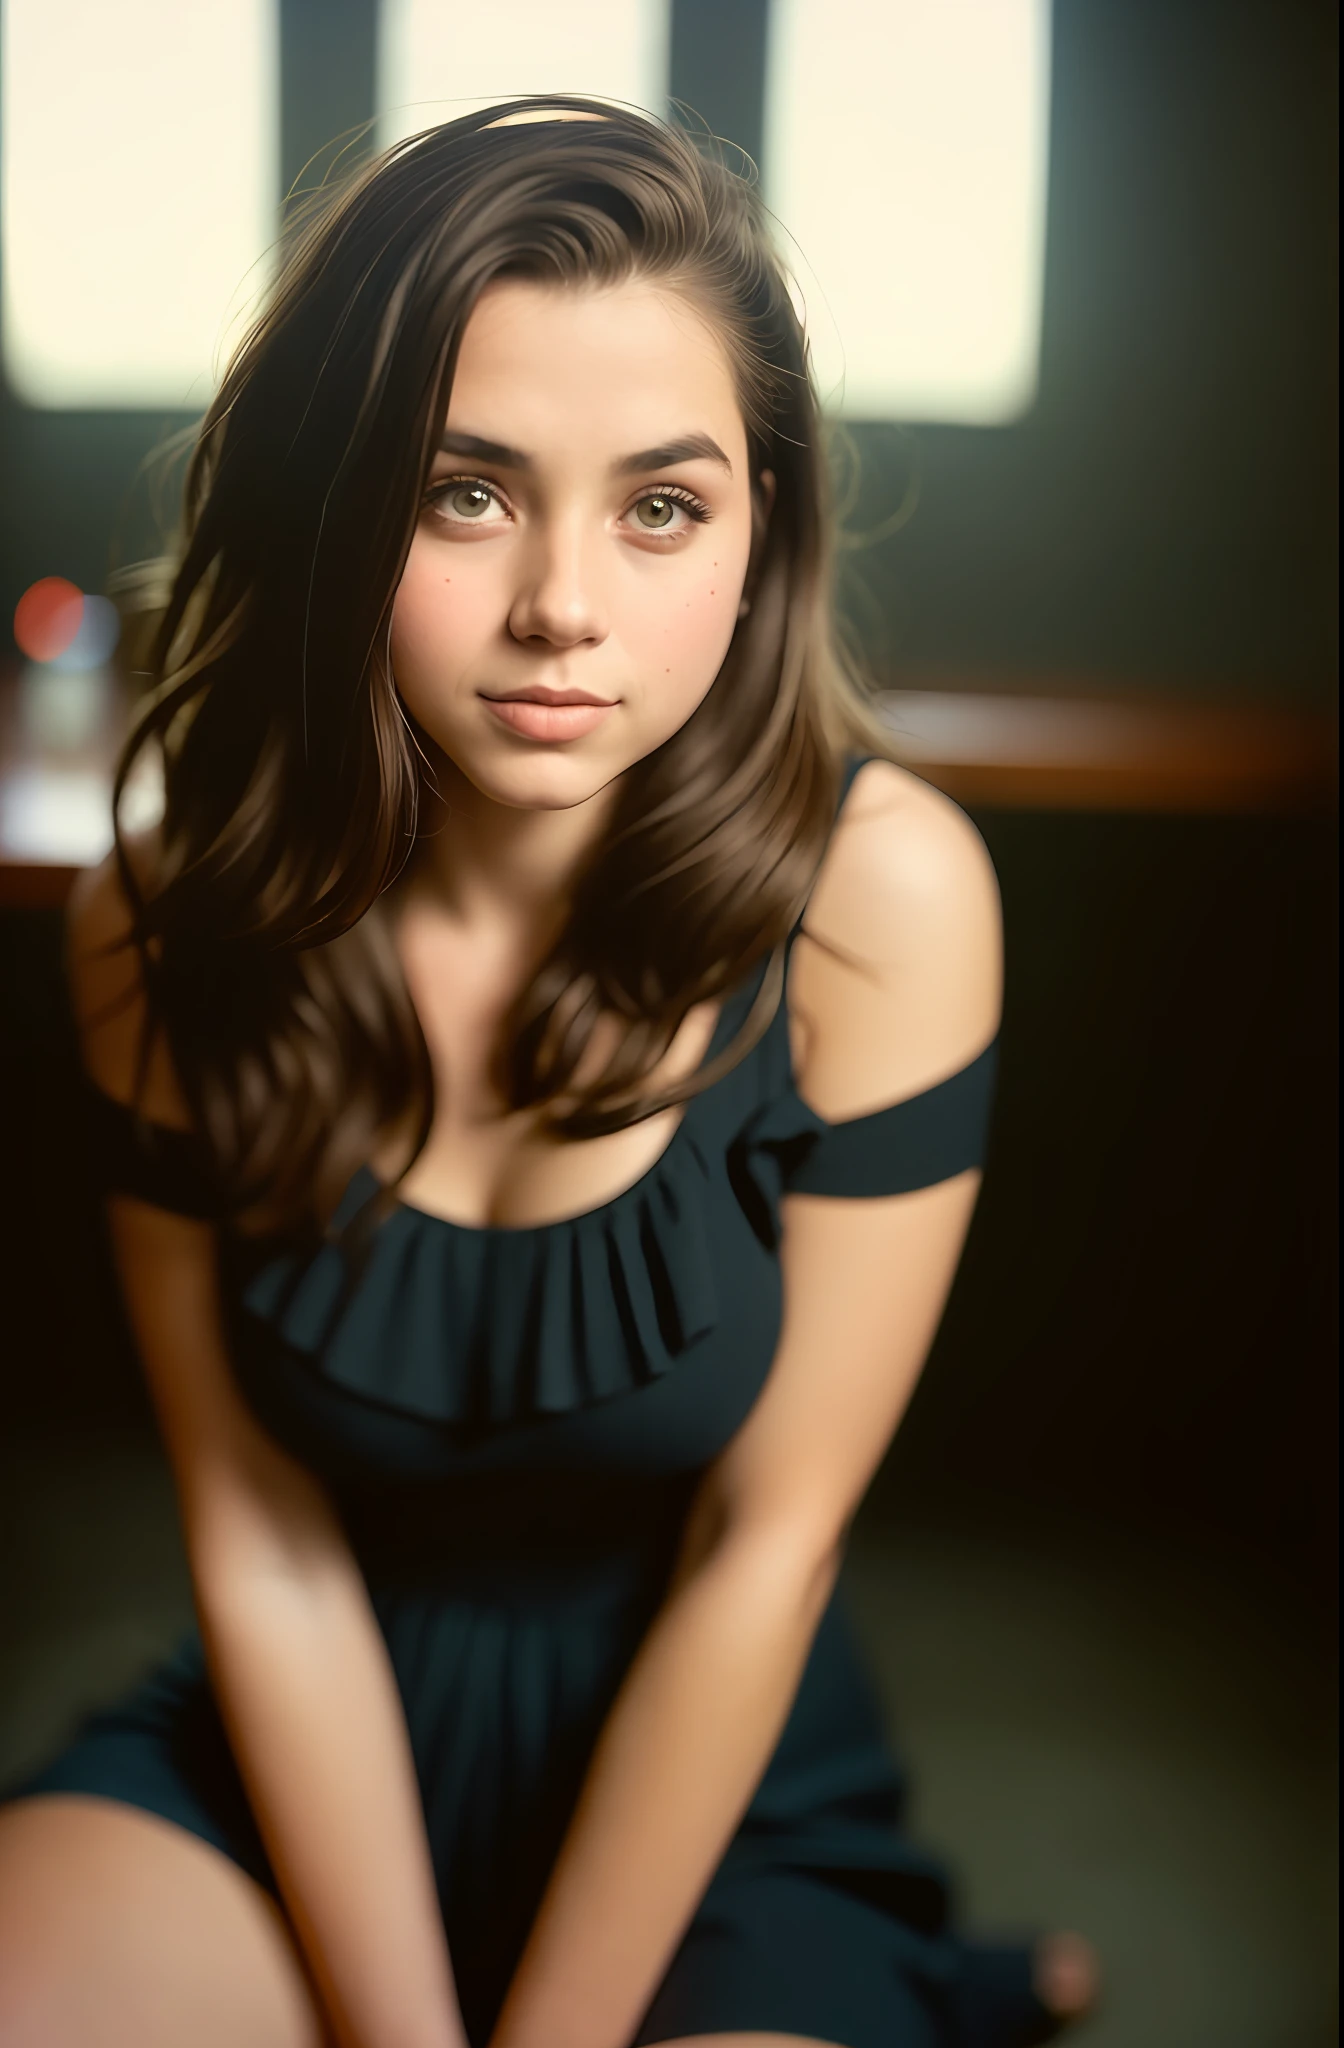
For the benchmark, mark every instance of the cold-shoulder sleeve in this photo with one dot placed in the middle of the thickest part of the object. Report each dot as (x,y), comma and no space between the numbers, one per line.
(915,1143)
(927,1138)
(131,1156)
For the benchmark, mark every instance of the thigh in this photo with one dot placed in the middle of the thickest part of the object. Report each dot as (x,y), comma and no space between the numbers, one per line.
(122,1930)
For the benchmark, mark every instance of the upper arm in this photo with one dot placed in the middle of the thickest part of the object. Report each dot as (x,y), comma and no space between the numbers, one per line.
(244,1500)
(911,994)
(908,898)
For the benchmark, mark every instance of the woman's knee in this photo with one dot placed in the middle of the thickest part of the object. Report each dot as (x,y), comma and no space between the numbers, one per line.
(120,1930)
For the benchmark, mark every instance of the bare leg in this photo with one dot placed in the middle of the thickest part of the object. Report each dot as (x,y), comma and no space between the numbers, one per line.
(120,1930)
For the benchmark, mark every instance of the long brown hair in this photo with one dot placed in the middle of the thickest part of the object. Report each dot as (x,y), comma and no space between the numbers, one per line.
(291,773)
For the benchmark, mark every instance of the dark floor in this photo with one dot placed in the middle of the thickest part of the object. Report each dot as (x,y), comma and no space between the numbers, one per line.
(1131,1741)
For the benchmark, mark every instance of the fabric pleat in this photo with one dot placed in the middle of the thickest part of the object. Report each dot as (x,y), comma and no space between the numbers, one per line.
(460,1325)
(456,1324)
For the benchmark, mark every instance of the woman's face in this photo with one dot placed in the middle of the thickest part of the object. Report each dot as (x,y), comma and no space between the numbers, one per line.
(559,555)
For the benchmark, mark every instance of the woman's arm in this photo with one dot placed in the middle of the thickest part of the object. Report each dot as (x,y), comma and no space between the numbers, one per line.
(295,1654)
(908,888)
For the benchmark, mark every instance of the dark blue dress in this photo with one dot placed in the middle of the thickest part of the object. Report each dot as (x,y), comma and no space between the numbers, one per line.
(511,1423)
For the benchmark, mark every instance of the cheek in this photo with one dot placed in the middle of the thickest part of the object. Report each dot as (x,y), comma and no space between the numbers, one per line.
(435,623)
(684,642)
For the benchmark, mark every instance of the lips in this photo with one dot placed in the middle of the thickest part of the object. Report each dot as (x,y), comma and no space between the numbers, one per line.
(566,715)
(536,694)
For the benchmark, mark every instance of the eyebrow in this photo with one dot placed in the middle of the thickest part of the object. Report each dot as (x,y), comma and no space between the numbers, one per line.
(686,448)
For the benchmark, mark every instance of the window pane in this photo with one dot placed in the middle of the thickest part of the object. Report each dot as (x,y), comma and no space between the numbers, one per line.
(905,155)
(437,61)
(139,175)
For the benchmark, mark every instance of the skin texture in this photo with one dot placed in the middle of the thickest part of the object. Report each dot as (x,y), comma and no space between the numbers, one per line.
(556,576)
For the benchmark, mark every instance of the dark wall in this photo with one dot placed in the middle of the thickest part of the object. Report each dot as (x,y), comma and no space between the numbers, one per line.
(1166,512)
(1144,1323)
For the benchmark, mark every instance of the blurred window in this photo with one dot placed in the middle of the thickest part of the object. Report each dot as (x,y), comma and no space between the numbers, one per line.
(437,61)
(905,153)
(140,182)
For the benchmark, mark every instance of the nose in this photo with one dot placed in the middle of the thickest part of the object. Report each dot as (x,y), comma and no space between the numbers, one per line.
(558,597)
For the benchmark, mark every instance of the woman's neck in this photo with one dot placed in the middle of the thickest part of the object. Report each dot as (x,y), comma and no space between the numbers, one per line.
(490,865)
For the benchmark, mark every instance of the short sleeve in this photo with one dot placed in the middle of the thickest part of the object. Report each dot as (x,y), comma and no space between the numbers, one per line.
(926,1138)
(132,1156)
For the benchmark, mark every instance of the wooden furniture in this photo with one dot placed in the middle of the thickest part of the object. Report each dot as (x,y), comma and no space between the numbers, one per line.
(1056,749)
(1044,747)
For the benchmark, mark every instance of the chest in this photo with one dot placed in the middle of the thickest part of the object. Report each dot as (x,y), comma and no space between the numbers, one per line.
(485,1165)
(474,1342)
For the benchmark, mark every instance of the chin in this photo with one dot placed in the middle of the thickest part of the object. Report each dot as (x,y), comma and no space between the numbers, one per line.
(541,778)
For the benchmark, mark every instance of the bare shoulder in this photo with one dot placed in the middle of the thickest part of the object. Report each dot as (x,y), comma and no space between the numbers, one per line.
(902,854)
(901,983)
(107,987)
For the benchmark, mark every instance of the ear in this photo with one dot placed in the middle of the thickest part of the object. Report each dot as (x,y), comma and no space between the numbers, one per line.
(766,486)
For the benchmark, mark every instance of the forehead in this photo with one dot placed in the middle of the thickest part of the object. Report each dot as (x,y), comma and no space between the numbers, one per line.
(613,353)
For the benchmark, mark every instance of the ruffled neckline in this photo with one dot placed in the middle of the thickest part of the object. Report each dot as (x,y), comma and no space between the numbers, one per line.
(469,1324)
(461,1325)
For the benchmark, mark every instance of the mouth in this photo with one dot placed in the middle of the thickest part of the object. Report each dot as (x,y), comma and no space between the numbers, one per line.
(549,715)
(538,694)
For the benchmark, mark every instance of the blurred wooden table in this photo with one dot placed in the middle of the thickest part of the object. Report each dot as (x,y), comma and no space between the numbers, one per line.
(1084,749)
(1045,748)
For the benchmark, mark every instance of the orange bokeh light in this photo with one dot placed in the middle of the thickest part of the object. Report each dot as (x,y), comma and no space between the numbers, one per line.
(47,617)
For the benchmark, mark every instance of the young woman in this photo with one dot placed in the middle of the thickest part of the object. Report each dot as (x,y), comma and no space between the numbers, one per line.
(532,1229)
